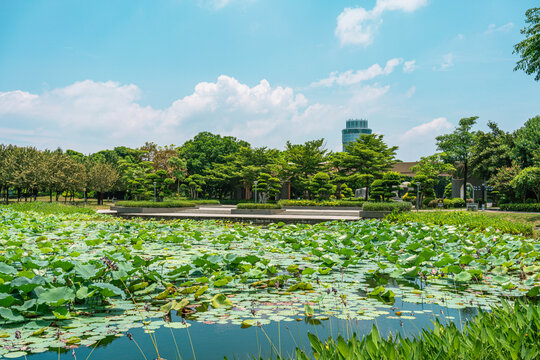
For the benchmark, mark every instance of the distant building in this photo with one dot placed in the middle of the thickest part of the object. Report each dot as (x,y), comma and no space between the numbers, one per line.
(353,129)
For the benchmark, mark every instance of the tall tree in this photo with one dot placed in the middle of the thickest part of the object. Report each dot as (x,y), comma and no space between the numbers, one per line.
(529,49)
(101,178)
(301,161)
(458,145)
(491,151)
(205,149)
(526,151)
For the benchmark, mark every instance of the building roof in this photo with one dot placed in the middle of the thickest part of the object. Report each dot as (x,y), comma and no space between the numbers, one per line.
(404,168)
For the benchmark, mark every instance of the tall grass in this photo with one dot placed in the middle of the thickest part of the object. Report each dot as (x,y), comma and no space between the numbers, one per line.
(49,208)
(471,220)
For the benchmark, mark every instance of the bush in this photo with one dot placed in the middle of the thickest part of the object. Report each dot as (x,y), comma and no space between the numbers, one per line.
(433,203)
(337,203)
(387,206)
(458,202)
(521,207)
(258,206)
(151,204)
(427,200)
(204,202)
(448,203)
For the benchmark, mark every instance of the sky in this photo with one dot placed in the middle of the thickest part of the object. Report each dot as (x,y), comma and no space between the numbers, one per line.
(92,75)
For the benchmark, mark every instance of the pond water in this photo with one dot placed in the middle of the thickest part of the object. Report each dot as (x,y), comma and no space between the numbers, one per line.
(78,283)
(214,341)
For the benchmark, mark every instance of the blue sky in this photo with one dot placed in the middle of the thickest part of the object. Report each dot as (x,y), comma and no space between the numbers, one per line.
(90,75)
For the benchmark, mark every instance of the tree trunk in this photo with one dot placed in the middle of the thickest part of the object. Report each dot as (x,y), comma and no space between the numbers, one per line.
(465,170)
(50,195)
(100,198)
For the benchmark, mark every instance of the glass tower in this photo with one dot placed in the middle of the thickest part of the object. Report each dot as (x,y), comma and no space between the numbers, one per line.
(353,129)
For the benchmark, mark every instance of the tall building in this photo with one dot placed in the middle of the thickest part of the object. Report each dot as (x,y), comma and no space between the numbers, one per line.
(353,129)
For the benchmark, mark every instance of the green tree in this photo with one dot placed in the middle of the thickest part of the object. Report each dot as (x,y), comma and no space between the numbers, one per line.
(526,182)
(529,49)
(383,189)
(102,178)
(301,162)
(501,182)
(320,186)
(194,185)
(207,149)
(491,151)
(458,146)
(267,187)
(427,173)
(526,149)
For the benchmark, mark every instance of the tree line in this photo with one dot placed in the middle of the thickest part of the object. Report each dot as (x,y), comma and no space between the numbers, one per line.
(222,167)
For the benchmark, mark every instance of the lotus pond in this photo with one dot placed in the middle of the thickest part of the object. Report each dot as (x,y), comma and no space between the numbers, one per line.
(71,284)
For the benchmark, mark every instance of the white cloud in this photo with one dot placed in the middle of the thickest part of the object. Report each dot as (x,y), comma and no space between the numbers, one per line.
(492,28)
(409,66)
(354,77)
(368,94)
(409,94)
(427,130)
(446,63)
(91,116)
(460,37)
(358,25)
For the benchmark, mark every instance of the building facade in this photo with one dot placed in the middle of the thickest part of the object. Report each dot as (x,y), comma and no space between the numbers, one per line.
(353,129)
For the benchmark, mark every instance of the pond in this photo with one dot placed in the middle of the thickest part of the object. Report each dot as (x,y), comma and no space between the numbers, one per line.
(78,282)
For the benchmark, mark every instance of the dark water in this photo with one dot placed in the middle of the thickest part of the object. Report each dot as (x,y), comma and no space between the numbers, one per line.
(214,341)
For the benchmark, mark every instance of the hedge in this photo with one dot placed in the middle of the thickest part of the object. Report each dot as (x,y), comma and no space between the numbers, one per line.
(520,207)
(258,206)
(336,203)
(387,206)
(151,204)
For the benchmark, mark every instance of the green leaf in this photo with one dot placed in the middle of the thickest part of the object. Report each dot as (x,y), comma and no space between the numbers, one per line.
(56,296)
(220,300)
(108,290)
(61,313)
(8,314)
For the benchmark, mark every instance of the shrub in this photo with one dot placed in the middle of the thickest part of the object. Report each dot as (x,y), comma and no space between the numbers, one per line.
(204,202)
(427,200)
(387,206)
(258,206)
(521,207)
(433,203)
(458,202)
(448,203)
(151,204)
(337,203)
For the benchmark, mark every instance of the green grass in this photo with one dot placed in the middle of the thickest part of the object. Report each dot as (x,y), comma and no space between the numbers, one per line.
(258,206)
(508,332)
(151,204)
(387,206)
(474,221)
(49,208)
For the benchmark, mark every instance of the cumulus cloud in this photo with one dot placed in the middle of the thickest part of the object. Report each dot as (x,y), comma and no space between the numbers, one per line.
(358,25)
(351,77)
(409,66)
(91,115)
(492,28)
(428,130)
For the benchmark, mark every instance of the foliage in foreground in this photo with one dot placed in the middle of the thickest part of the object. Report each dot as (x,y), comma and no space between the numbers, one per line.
(472,221)
(521,207)
(509,332)
(49,208)
(258,206)
(387,206)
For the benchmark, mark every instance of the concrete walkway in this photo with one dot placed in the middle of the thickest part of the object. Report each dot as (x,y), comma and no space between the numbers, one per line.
(223,213)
